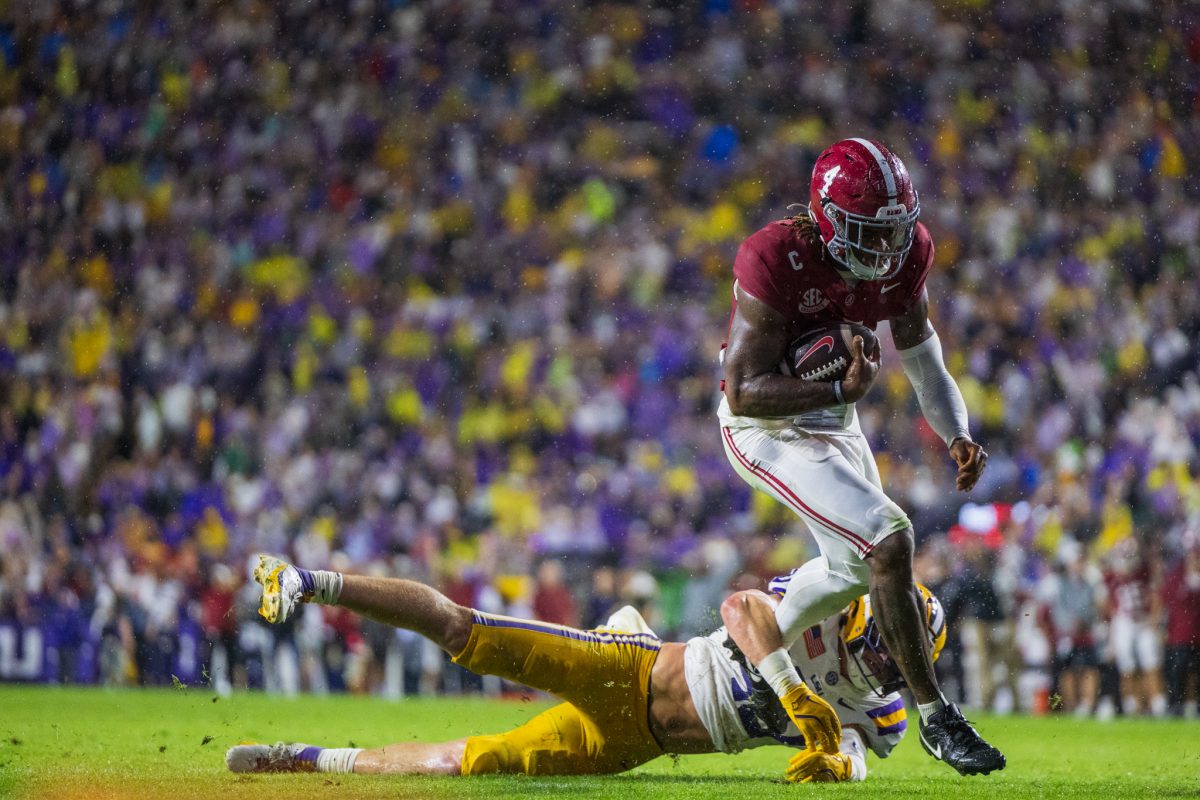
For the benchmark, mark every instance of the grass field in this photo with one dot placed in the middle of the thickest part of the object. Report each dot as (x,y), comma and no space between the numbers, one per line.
(62,744)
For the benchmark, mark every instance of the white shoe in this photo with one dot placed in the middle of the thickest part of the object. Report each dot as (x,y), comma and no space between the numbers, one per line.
(282,590)
(626,619)
(269,758)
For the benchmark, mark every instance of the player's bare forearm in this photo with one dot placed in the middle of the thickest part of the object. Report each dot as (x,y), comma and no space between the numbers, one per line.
(749,617)
(777,395)
(754,385)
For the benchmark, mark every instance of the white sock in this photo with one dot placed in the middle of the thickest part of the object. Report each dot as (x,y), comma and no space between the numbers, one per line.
(324,586)
(337,759)
(929,709)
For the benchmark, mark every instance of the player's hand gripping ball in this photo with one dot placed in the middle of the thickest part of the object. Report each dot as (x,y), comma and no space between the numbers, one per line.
(826,352)
(814,766)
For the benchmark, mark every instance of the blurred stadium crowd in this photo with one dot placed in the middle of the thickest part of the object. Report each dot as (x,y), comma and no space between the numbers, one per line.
(436,289)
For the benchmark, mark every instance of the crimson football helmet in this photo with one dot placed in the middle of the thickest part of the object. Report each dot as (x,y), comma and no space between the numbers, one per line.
(865,206)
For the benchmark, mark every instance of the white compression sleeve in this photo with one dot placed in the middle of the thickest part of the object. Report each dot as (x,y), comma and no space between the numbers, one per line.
(852,745)
(941,401)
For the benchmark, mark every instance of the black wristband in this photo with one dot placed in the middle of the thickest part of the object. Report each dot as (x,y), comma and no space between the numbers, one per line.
(837,392)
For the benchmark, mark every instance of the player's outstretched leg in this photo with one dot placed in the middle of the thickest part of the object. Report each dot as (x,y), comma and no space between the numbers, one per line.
(392,601)
(413,758)
(944,732)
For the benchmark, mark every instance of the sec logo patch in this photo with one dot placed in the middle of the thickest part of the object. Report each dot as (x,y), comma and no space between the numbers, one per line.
(813,301)
(831,678)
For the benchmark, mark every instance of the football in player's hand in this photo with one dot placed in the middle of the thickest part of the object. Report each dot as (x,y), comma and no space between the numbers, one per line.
(823,353)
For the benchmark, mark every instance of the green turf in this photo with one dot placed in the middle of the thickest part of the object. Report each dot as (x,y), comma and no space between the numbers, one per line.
(80,743)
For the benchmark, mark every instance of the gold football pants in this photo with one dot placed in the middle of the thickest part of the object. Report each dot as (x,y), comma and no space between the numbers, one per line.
(603,676)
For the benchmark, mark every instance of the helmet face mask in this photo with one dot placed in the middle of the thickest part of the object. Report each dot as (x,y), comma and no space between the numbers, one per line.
(875,663)
(866,208)
(869,653)
(871,248)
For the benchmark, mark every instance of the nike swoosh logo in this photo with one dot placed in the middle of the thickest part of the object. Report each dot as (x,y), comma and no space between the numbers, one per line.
(844,704)
(887,287)
(936,752)
(824,342)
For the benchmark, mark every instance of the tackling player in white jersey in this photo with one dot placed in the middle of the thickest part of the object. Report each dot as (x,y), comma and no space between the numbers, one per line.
(629,696)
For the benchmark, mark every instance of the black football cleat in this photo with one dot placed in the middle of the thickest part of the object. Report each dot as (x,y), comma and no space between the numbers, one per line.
(949,737)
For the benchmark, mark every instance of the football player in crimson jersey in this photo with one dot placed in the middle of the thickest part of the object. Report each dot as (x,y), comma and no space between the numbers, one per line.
(1133,606)
(858,254)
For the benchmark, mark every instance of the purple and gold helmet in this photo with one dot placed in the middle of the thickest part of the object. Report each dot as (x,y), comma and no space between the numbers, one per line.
(865,645)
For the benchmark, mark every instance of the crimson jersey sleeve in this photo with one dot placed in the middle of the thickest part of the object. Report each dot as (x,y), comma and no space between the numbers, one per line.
(754,276)
(920,260)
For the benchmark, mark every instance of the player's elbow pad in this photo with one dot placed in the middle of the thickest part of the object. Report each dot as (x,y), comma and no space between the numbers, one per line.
(941,401)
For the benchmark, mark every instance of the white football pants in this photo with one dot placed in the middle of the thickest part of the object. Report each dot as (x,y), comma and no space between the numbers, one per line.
(830,480)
